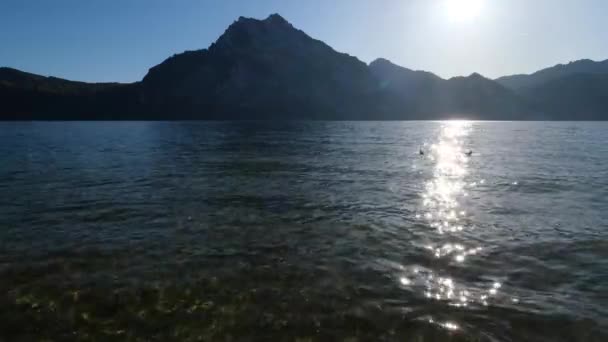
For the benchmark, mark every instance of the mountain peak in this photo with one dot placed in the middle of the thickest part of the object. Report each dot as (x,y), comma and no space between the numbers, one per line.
(381,61)
(385,69)
(585,60)
(275,18)
(259,32)
(388,66)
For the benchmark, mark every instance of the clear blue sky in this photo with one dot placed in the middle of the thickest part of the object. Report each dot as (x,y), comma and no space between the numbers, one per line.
(118,40)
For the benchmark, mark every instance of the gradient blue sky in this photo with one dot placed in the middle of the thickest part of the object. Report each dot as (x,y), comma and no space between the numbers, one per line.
(118,40)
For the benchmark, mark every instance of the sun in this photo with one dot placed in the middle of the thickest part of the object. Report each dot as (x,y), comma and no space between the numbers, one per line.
(463,10)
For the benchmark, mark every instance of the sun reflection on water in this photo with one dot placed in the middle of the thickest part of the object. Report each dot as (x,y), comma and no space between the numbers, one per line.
(443,211)
(443,193)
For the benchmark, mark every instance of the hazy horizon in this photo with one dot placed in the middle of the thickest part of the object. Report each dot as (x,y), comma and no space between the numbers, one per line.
(98,42)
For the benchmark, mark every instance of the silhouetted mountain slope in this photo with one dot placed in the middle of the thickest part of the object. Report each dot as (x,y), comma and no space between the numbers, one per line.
(22,80)
(267,69)
(426,95)
(26,96)
(523,82)
(573,97)
(573,91)
(396,78)
(404,91)
(484,99)
(263,69)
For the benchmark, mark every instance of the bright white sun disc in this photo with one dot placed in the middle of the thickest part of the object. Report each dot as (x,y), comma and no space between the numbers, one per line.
(462,10)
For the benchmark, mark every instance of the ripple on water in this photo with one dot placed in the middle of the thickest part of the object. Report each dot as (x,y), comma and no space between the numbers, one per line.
(302,231)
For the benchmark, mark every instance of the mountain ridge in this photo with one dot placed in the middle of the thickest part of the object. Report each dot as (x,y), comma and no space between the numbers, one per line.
(268,69)
(519,81)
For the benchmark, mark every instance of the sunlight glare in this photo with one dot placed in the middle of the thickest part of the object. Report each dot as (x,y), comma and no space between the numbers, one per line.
(463,10)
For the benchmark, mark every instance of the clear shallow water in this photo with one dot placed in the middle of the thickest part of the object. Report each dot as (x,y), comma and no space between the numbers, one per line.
(304,231)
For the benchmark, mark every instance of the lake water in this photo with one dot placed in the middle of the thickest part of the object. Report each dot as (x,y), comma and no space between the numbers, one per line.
(304,231)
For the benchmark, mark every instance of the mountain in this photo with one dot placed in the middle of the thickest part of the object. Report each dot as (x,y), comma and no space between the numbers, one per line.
(524,82)
(574,91)
(268,69)
(26,96)
(397,78)
(426,95)
(574,97)
(263,69)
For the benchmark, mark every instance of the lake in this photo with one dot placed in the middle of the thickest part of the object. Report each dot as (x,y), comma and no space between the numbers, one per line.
(304,231)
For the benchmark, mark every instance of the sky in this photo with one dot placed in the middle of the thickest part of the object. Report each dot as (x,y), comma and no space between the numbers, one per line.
(119,40)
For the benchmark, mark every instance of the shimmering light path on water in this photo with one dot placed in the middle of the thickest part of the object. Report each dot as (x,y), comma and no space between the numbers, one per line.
(304,231)
(445,214)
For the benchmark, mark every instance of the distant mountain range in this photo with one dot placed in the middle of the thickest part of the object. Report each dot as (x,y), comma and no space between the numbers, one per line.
(267,69)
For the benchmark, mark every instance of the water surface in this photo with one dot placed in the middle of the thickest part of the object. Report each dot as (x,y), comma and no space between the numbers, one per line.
(304,231)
